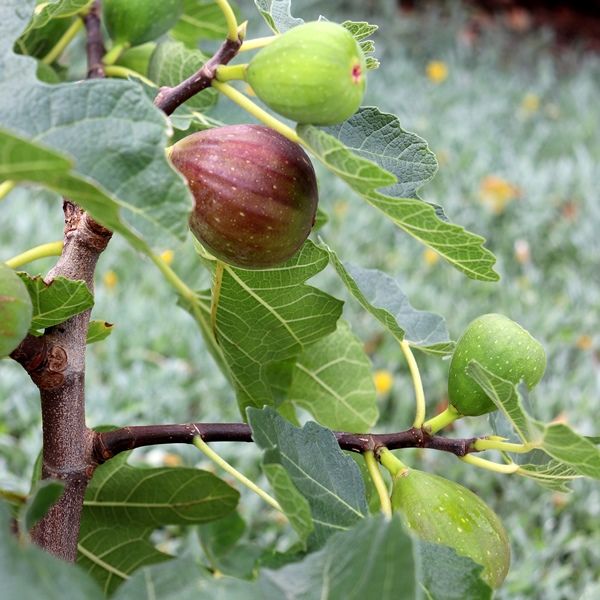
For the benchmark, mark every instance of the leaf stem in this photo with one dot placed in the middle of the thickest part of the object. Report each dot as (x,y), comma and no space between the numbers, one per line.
(490,444)
(477,461)
(232,24)
(256,111)
(66,38)
(231,72)
(182,289)
(6,187)
(207,450)
(420,404)
(392,463)
(442,420)
(124,73)
(257,43)
(379,483)
(112,56)
(214,304)
(42,251)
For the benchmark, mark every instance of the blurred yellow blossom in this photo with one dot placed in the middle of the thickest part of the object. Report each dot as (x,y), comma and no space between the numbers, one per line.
(430,256)
(496,192)
(437,71)
(584,342)
(168,256)
(172,460)
(110,279)
(383,381)
(530,103)
(340,208)
(522,251)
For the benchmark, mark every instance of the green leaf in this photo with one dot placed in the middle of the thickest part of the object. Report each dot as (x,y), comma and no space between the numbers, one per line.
(201,20)
(333,380)
(172,63)
(321,472)
(56,9)
(123,179)
(277,14)
(45,494)
(444,575)
(553,474)
(369,151)
(572,449)
(57,301)
(26,571)
(98,331)
(266,317)
(361,30)
(381,295)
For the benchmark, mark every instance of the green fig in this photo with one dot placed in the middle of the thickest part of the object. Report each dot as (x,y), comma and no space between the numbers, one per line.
(38,42)
(443,512)
(133,22)
(137,58)
(501,346)
(255,193)
(314,73)
(15,310)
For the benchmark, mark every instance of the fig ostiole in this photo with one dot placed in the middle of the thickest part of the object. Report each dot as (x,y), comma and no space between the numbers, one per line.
(443,512)
(255,193)
(15,310)
(501,346)
(134,22)
(314,74)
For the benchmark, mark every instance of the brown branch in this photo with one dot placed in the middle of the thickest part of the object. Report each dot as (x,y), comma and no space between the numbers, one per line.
(169,98)
(111,443)
(95,43)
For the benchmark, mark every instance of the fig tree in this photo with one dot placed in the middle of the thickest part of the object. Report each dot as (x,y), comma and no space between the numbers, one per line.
(501,346)
(443,512)
(255,193)
(15,310)
(314,73)
(133,22)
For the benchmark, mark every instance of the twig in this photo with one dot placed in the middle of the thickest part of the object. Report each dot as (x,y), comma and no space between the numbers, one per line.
(95,43)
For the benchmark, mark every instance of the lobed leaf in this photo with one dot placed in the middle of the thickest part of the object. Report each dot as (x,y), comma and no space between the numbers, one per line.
(277,14)
(56,9)
(98,331)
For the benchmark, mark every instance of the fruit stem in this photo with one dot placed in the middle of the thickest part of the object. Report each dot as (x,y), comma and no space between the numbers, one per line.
(42,251)
(420,404)
(112,56)
(182,289)
(442,420)
(66,38)
(124,73)
(214,305)
(6,187)
(210,453)
(256,111)
(477,461)
(492,444)
(232,24)
(392,463)
(229,72)
(257,43)
(379,483)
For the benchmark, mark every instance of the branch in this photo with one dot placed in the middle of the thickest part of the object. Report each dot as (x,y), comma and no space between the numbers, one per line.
(95,43)
(110,443)
(169,98)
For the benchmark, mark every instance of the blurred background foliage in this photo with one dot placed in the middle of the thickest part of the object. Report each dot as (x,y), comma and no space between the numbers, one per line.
(514,121)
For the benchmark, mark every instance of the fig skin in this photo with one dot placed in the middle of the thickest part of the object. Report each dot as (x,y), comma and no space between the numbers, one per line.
(443,512)
(501,346)
(135,22)
(255,193)
(314,74)
(15,310)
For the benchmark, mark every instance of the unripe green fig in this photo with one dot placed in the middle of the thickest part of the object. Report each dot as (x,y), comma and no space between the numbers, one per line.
(314,73)
(15,310)
(443,512)
(137,58)
(133,22)
(501,346)
(255,193)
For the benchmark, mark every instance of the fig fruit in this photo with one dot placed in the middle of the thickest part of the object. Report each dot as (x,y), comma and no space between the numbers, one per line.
(443,512)
(38,42)
(133,22)
(15,310)
(501,346)
(137,58)
(314,73)
(255,193)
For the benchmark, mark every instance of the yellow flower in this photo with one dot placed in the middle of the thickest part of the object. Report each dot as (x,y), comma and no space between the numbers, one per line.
(340,208)
(110,279)
(496,192)
(383,381)
(172,460)
(430,256)
(168,256)
(437,71)
(530,103)
(584,342)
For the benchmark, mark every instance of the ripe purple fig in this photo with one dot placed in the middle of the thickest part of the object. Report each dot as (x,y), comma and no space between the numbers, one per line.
(255,193)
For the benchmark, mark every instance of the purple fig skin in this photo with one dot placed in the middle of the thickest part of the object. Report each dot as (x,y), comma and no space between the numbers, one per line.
(255,193)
